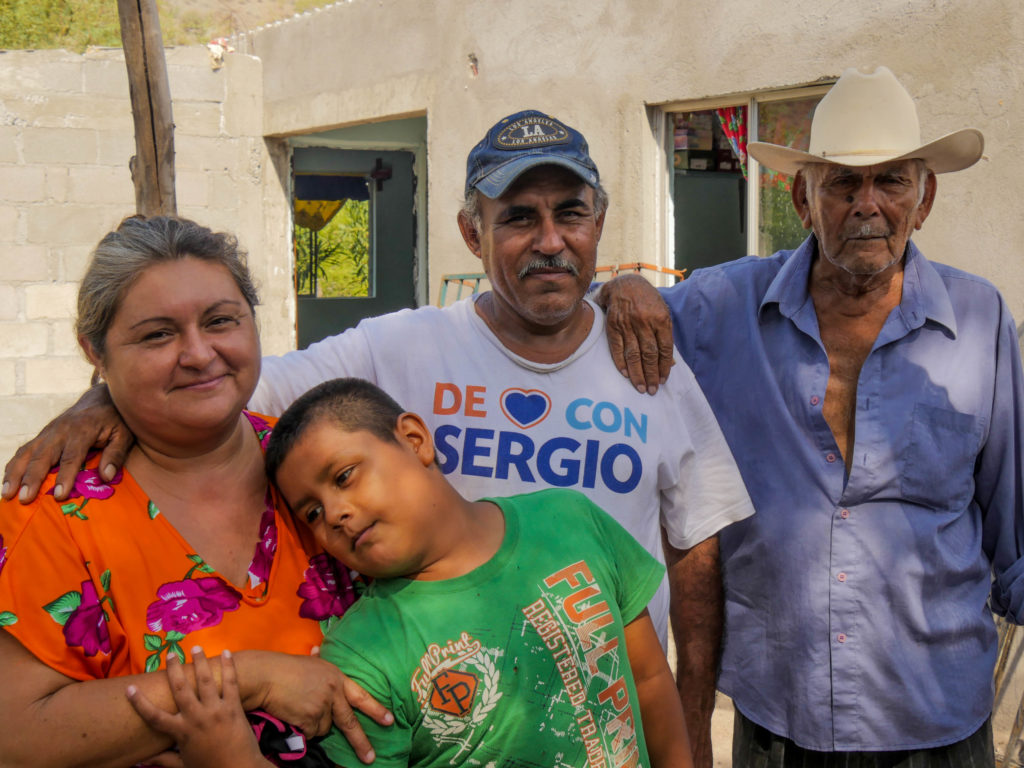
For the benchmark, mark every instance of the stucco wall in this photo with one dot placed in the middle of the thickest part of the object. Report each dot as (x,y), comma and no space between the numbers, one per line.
(66,137)
(599,65)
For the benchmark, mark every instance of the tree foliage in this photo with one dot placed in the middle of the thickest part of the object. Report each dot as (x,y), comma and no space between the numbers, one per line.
(342,254)
(77,24)
(71,24)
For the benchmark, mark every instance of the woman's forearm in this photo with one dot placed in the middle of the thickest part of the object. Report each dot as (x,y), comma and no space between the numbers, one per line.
(51,720)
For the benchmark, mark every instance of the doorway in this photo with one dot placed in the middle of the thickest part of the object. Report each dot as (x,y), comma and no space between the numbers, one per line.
(354,237)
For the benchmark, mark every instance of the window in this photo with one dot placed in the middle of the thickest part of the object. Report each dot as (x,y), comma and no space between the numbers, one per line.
(718,215)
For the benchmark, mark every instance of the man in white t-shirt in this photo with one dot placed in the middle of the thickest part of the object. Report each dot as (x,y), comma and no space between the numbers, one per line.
(519,389)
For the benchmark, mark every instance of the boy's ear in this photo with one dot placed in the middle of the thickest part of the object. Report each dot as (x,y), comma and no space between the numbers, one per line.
(411,430)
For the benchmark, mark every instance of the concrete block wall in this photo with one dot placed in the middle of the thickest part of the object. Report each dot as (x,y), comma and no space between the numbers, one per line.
(66,136)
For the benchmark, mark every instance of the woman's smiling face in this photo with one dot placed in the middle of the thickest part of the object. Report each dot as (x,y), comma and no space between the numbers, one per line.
(182,354)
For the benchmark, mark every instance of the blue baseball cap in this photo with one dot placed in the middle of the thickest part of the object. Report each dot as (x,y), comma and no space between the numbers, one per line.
(522,141)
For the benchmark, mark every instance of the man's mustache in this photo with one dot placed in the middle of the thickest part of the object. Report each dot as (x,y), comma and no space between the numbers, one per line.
(556,262)
(866,230)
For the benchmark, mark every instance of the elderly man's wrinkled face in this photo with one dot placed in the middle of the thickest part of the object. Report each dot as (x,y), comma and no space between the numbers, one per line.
(863,217)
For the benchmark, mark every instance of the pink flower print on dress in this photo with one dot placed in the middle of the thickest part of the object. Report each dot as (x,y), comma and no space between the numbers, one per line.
(89,484)
(187,606)
(263,429)
(86,627)
(3,553)
(327,590)
(259,569)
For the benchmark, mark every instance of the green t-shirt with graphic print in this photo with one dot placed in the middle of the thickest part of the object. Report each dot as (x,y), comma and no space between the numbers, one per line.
(521,662)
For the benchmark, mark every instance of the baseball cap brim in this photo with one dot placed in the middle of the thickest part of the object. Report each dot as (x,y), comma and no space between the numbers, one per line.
(495,183)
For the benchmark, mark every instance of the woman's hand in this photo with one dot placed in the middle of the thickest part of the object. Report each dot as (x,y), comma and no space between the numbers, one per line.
(310,693)
(210,727)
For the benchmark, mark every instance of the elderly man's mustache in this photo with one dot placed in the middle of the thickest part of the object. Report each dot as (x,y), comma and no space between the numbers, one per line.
(558,263)
(866,230)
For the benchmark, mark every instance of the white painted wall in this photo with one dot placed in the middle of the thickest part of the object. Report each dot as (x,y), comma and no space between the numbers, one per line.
(600,65)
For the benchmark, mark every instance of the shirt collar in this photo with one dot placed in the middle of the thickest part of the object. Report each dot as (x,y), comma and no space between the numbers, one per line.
(924,293)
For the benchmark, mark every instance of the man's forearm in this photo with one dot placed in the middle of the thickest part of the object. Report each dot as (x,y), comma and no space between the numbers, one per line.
(695,583)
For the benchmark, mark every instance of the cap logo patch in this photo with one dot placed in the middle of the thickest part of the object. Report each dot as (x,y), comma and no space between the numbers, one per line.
(531,131)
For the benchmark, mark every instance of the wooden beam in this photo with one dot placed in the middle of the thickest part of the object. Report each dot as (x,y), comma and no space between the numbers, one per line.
(152,166)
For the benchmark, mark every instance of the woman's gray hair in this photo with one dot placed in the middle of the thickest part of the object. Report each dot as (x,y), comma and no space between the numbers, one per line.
(137,244)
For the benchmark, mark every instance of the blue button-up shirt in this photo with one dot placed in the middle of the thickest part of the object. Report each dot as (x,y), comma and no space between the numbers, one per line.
(856,604)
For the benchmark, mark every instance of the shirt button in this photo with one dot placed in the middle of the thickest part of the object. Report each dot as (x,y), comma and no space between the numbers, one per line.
(830,458)
(844,513)
(841,577)
(815,400)
(841,637)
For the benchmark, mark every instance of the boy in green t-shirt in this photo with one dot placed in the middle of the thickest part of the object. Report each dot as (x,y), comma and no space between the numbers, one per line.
(500,632)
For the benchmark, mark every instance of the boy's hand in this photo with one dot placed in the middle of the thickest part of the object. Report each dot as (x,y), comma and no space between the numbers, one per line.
(92,422)
(210,727)
(310,693)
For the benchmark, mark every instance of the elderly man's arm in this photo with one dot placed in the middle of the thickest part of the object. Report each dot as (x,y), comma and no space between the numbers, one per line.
(999,477)
(696,614)
(639,331)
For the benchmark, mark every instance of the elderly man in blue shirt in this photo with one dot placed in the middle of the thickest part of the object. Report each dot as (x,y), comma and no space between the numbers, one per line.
(873,402)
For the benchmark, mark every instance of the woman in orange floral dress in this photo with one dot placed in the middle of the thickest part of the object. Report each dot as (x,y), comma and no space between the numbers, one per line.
(187,548)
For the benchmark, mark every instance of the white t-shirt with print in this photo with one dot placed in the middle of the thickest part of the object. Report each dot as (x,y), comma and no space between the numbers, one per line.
(504,425)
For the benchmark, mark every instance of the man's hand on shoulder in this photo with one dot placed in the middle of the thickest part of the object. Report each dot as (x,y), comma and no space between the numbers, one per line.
(639,330)
(92,422)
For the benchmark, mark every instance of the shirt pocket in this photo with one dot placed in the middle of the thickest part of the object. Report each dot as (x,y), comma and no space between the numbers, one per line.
(939,456)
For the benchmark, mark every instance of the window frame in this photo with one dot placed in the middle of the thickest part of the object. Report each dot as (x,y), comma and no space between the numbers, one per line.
(663,135)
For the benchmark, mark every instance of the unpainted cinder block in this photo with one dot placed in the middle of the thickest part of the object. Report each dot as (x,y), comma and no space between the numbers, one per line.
(101,184)
(192,189)
(199,118)
(8,383)
(71,224)
(39,76)
(23,339)
(50,300)
(22,184)
(8,303)
(10,140)
(63,341)
(24,263)
(22,416)
(59,146)
(105,78)
(56,375)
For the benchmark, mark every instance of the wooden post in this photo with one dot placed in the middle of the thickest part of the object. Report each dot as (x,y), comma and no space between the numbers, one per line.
(152,166)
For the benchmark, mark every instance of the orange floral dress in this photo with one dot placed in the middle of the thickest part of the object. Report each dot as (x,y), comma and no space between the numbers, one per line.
(102,585)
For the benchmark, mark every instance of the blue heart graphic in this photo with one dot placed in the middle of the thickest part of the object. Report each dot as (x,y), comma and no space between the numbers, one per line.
(525,409)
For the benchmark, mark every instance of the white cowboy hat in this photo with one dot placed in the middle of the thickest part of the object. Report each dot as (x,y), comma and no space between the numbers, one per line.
(868,118)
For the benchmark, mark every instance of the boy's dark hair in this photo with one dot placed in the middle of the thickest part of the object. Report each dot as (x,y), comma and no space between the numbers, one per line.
(352,404)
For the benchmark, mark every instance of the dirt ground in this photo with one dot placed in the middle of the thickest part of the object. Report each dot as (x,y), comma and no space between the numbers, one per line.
(721,731)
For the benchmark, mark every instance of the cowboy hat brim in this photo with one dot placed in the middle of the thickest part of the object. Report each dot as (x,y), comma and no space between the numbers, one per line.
(953,152)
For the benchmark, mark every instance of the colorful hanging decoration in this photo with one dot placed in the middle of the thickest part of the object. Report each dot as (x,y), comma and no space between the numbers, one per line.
(734,125)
